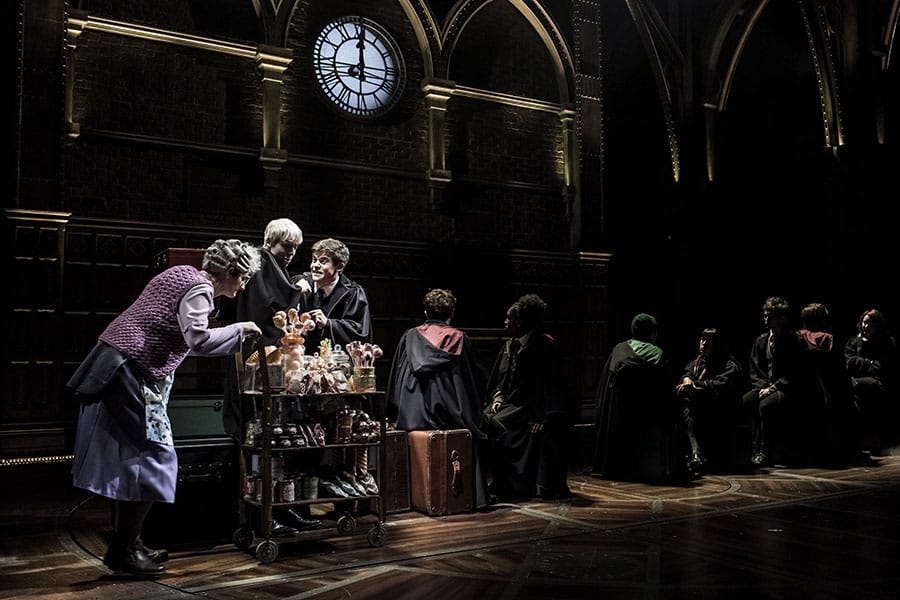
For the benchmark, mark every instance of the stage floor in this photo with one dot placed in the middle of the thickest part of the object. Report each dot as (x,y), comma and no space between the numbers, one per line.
(775,533)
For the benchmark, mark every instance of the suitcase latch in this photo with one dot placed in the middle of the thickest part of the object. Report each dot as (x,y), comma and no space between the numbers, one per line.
(456,482)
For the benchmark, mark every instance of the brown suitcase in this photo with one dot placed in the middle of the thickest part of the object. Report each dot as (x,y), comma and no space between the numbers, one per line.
(395,477)
(180,256)
(441,473)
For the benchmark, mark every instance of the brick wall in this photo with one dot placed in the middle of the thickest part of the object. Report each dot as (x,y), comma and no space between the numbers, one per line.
(168,156)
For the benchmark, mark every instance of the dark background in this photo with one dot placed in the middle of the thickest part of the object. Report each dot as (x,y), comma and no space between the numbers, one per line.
(683,158)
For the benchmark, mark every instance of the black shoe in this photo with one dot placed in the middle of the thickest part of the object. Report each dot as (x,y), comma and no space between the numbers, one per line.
(300,521)
(332,489)
(696,464)
(558,493)
(281,530)
(760,459)
(160,555)
(132,561)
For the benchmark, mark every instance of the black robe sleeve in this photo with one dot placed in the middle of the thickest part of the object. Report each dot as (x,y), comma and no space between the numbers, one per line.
(723,384)
(268,291)
(349,317)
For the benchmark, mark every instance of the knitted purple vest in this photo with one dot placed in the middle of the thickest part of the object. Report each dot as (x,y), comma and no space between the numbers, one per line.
(147,332)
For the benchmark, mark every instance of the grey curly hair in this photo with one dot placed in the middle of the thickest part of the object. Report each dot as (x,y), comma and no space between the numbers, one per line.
(222,255)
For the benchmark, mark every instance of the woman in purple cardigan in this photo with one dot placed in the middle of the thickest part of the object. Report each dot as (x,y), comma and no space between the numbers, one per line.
(123,446)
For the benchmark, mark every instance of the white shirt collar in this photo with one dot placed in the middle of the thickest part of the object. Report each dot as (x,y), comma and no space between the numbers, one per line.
(327,289)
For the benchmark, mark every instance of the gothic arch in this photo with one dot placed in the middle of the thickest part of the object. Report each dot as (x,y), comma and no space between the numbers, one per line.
(540,22)
(733,23)
(275,17)
(667,62)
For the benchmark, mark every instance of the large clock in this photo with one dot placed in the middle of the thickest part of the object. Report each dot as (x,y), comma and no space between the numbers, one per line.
(359,66)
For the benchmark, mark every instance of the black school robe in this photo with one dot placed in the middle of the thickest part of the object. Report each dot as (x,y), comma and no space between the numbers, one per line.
(635,405)
(270,290)
(347,309)
(432,386)
(526,464)
(715,406)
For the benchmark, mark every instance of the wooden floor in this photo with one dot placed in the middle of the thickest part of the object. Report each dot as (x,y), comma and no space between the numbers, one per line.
(776,533)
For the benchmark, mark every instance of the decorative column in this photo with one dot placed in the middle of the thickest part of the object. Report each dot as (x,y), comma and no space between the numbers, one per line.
(570,170)
(75,25)
(272,62)
(437,94)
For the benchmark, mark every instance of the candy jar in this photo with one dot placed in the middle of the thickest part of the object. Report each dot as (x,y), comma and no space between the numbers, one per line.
(292,352)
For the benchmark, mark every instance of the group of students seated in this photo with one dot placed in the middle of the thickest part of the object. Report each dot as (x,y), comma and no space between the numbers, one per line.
(800,396)
(519,432)
(805,399)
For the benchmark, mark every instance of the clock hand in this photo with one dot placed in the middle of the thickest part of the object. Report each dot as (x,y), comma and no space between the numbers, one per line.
(361,44)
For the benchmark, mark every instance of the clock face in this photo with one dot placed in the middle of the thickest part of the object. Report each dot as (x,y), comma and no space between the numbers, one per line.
(359,66)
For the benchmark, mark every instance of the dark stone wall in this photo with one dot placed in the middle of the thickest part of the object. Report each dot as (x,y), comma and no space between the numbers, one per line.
(170,138)
(167,155)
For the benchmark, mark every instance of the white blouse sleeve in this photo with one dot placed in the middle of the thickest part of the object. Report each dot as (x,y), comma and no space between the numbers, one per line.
(193,319)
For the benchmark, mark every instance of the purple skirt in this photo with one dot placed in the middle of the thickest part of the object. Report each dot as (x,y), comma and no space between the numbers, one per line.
(113,456)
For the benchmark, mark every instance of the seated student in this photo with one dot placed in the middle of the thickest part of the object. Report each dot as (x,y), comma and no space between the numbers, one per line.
(527,416)
(871,358)
(432,381)
(710,397)
(829,418)
(635,407)
(776,370)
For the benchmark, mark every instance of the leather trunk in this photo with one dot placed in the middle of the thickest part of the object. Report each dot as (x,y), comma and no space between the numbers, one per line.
(206,497)
(395,477)
(441,475)
(180,256)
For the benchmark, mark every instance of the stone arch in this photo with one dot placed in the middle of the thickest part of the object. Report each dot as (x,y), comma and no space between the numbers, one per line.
(469,15)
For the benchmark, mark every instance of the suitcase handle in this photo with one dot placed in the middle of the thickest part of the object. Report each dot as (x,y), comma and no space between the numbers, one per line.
(456,482)
(214,477)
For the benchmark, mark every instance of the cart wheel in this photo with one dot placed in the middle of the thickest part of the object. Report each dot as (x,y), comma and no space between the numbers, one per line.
(243,537)
(267,551)
(346,524)
(376,536)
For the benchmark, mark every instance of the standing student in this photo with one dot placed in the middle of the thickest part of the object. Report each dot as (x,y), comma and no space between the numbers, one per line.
(272,289)
(339,308)
(338,305)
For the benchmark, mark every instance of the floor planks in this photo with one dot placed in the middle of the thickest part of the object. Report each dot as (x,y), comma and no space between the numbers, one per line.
(778,533)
